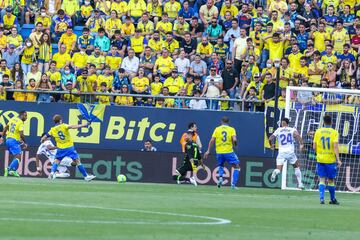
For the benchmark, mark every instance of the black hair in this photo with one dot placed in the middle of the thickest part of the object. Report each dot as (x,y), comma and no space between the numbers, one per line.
(327,120)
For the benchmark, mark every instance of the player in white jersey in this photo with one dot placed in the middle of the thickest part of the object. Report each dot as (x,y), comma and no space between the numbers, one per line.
(286,139)
(48,149)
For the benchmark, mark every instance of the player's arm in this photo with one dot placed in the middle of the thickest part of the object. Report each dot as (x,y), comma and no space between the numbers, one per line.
(43,139)
(234,140)
(271,141)
(211,143)
(22,137)
(315,140)
(79,125)
(6,128)
(336,150)
(299,139)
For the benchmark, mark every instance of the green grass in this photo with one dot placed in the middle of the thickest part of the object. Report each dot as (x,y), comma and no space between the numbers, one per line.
(72,209)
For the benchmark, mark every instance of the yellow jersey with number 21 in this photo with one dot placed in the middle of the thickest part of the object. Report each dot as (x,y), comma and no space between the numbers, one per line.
(223,139)
(62,136)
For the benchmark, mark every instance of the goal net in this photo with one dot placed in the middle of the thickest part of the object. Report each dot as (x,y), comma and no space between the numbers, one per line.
(305,107)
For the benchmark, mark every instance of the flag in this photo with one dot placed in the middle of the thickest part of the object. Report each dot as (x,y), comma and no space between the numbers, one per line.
(91,112)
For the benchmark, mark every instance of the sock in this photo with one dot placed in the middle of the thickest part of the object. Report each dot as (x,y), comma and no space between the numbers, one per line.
(221,171)
(14,164)
(276,172)
(235,176)
(298,175)
(331,188)
(82,170)
(322,190)
(54,167)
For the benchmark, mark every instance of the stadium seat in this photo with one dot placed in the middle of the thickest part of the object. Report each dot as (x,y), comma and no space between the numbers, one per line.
(55,48)
(26,30)
(78,30)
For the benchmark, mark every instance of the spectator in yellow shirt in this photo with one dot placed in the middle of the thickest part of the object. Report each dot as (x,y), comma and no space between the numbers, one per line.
(79,59)
(164,64)
(121,7)
(71,7)
(124,100)
(62,58)
(128,29)
(85,12)
(164,26)
(112,24)
(31,97)
(145,26)
(136,8)
(28,56)
(172,8)
(95,22)
(103,99)
(140,84)
(44,19)
(68,39)
(154,8)
(19,96)
(228,7)
(205,49)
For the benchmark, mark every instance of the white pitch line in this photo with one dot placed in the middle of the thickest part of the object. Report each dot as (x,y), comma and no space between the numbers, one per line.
(214,221)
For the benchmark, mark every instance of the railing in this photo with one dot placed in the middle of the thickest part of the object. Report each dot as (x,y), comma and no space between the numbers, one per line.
(89,97)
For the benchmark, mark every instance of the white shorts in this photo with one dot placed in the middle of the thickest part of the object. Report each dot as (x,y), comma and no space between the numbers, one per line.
(290,157)
(65,162)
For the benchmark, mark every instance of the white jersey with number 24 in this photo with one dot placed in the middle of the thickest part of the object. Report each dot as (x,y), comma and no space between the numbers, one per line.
(285,137)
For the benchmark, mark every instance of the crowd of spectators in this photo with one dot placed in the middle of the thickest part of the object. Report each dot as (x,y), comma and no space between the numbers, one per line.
(204,48)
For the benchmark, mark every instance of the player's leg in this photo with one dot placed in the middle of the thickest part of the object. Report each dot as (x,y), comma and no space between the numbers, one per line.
(182,171)
(280,159)
(62,172)
(331,174)
(297,170)
(234,161)
(15,150)
(87,177)
(321,172)
(220,163)
(54,167)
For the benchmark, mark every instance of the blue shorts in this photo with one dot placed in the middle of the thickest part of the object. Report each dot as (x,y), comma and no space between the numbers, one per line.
(231,158)
(326,170)
(13,146)
(66,152)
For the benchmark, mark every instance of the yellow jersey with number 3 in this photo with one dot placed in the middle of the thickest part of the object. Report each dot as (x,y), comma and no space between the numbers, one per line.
(325,139)
(15,127)
(223,139)
(62,136)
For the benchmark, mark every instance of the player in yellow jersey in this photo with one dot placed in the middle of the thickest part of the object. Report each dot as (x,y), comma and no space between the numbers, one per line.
(326,146)
(65,146)
(225,140)
(14,132)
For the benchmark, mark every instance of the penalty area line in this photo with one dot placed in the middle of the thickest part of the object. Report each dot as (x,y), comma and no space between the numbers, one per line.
(210,220)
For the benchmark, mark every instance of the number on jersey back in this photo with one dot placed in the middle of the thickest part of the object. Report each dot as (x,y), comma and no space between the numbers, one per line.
(285,137)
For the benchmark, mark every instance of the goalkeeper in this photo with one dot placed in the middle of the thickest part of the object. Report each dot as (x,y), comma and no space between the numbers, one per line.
(192,159)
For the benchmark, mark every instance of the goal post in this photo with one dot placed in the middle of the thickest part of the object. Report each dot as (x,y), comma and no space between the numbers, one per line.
(305,108)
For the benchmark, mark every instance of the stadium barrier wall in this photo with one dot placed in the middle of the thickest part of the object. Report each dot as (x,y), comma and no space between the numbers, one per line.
(126,128)
(147,167)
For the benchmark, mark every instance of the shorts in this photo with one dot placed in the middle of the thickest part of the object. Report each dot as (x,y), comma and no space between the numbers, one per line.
(326,170)
(186,167)
(231,158)
(13,146)
(290,157)
(66,152)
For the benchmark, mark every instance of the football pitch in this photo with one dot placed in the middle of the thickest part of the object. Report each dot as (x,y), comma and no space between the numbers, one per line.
(72,209)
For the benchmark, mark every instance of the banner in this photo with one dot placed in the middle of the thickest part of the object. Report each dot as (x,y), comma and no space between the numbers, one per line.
(158,167)
(126,128)
(148,167)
